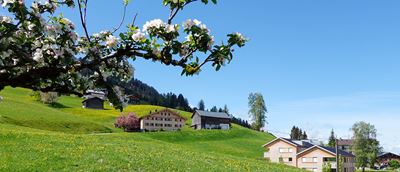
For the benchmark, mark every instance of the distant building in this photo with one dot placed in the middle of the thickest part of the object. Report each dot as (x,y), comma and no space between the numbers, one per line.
(305,155)
(162,120)
(94,100)
(384,158)
(346,145)
(210,120)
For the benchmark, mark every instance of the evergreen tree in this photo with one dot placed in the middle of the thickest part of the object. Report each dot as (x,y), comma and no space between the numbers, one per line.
(292,133)
(214,109)
(304,136)
(201,105)
(332,139)
(226,110)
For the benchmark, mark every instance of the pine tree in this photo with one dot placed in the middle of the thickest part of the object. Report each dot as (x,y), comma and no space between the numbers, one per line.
(214,109)
(201,105)
(332,139)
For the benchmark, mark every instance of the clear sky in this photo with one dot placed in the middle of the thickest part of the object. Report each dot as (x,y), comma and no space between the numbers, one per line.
(320,64)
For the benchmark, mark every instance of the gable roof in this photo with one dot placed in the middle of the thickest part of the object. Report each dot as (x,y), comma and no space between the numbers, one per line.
(282,139)
(329,150)
(92,97)
(345,142)
(388,153)
(166,109)
(212,114)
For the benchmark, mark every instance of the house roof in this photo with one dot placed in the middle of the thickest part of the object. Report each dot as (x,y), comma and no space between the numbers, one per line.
(92,97)
(212,114)
(282,139)
(388,154)
(166,109)
(345,142)
(329,150)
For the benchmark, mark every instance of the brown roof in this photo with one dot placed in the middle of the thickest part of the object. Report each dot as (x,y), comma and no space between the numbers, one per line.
(166,109)
(342,142)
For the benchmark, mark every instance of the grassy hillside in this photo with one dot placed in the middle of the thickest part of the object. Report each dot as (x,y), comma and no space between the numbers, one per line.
(36,137)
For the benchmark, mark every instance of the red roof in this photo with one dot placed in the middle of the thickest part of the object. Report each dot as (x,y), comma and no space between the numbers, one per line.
(342,142)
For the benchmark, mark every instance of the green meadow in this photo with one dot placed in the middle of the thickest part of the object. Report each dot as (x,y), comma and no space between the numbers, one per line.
(66,137)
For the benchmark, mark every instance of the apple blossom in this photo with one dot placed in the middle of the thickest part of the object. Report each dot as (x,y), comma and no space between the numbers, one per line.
(111,41)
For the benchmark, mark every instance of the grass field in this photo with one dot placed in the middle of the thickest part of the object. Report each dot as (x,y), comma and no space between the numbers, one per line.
(37,137)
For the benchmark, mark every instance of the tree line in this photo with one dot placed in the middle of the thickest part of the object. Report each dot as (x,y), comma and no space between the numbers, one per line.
(141,93)
(298,134)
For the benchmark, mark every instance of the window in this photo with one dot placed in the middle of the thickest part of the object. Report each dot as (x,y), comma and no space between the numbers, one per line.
(303,159)
(290,159)
(285,150)
(315,159)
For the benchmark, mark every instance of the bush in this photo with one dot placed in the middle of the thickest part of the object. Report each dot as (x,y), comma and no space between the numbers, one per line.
(394,164)
(129,123)
(48,98)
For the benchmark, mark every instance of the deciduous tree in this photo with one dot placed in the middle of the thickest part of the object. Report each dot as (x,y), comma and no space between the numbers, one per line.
(366,146)
(41,50)
(257,110)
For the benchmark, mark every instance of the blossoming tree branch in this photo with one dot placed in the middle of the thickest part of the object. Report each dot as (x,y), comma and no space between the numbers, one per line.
(42,51)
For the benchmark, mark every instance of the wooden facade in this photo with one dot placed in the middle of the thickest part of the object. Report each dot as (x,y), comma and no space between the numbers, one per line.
(385,158)
(93,103)
(210,120)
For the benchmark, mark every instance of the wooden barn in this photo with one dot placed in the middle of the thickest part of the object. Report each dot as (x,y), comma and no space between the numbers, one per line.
(211,120)
(94,100)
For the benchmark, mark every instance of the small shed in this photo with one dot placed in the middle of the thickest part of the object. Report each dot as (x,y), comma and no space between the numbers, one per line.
(93,102)
(211,120)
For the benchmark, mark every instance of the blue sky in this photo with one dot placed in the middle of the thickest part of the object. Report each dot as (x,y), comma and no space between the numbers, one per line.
(319,64)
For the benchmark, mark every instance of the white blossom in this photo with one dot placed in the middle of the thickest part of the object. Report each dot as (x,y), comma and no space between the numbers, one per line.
(156,23)
(156,51)
(211,43)
(5,19)
(31,26)
(138,36)
(37,43)
(96,35)
(190,23)
(111,41)
(240,36)
(38,55)
(184,50)
(6,2)
(170,28)
(15,61)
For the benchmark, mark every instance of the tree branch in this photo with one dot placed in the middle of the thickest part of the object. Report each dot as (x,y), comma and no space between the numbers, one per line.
(122,20)
(83,18)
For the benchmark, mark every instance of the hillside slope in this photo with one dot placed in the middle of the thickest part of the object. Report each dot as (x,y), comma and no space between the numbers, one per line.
(36,137)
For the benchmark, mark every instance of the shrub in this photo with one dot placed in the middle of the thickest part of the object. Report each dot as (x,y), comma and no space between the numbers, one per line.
(48,97)
(129,123)
(394,164)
